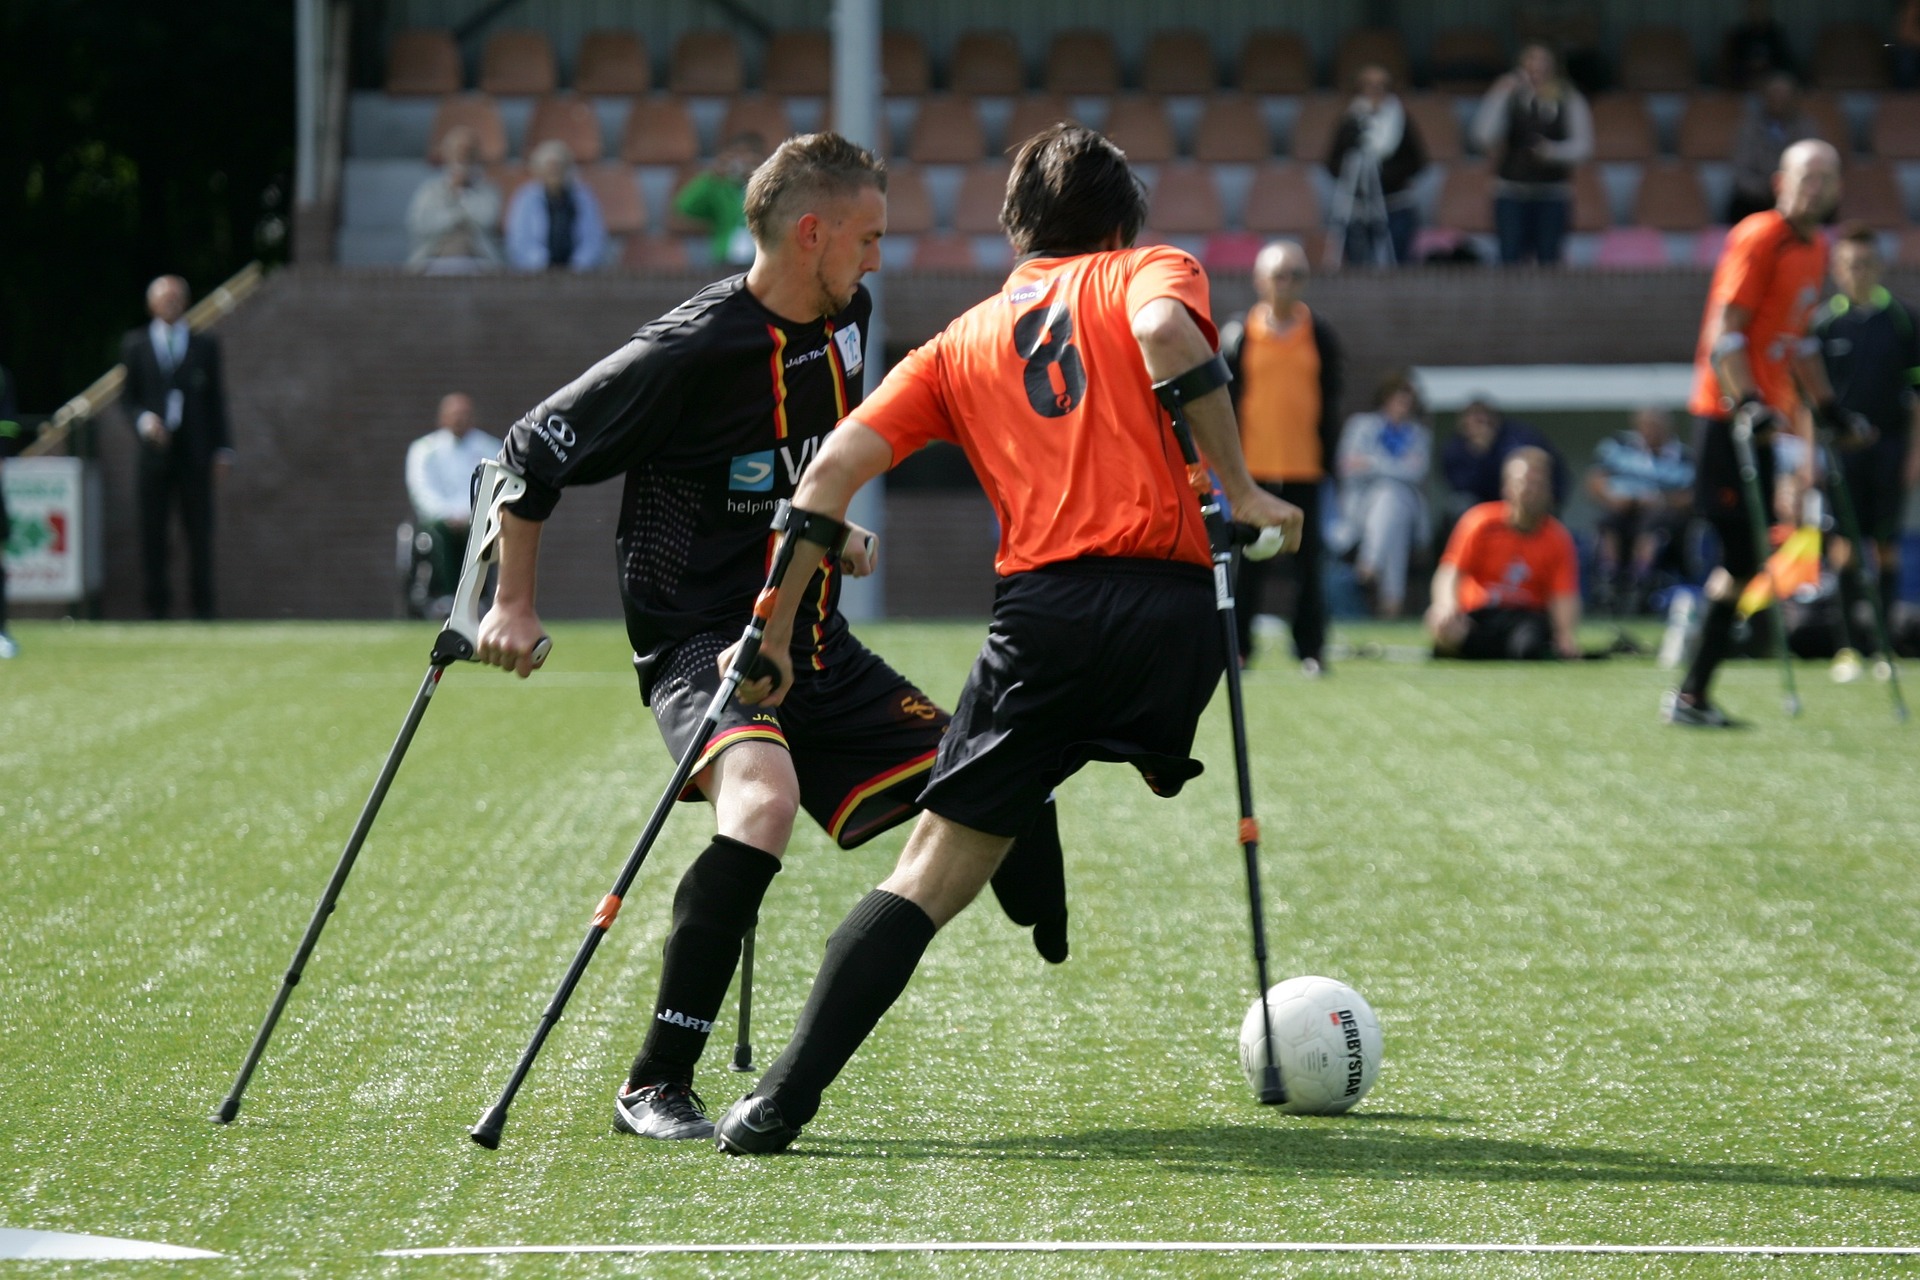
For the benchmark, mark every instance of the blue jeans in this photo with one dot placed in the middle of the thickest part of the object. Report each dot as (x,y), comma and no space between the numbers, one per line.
(1401,224)
(1530,229)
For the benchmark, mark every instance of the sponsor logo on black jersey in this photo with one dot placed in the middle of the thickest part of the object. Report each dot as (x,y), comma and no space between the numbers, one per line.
(755,472)
(558,435)
(848,340)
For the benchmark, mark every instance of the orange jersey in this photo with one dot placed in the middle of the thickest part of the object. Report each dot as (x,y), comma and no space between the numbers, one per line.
(1776,276)
(1280,398)
(1500,567)
(1044,387)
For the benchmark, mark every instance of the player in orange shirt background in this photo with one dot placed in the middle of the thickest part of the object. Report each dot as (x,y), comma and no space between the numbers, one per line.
(1103,644)
(1508,585)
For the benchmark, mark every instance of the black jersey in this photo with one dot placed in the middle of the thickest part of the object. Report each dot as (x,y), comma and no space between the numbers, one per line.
(711,412)
(1872,355)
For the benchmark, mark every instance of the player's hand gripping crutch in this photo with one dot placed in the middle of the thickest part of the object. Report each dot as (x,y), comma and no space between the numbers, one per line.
(1745,421)
(1174,393)
(747,664)
(455,643)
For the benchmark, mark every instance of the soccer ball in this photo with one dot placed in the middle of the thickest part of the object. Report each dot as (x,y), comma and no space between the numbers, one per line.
(1329,1045)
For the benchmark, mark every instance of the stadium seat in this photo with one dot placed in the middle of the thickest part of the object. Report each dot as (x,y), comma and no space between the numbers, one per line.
(949,252)
(1312,139)
(1432,114)
(571,119)
(1658,59)
(1275,62)
(1670,198)
(1179,61)
(946,131)
(756,113)
(659,131)
(905,68)
(909,207)
(706,62)
(1232,250)
(614,186)
(1466,198)
(1465,59)
(1631,248)
(518,64)
(1083,62)
(654,253)
(1232,130)
(1851,55)
(477,112)
(1869,193)
(1708,126)
(1896,127)
(1376,46)
(1709,245)
(1830,115)
(986,62)
(1184,201)
(1032,113)
(1622,128)
(1282,201)
(1138,125)
(1591,211)
(799,63)
(423,62)
(612,63)
(982,192)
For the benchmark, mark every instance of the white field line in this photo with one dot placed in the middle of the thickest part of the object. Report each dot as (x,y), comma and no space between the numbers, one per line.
(16,1243)
(1161,1246)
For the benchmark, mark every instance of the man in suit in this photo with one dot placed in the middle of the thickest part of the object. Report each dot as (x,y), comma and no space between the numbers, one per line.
(174,396)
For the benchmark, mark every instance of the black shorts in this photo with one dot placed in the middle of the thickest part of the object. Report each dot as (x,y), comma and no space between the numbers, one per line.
(862,737)
(1720,498)
(1517,634)
(1874,483)
(1085,660)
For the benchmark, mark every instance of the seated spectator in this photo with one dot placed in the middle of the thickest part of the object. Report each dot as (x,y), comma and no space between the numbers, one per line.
(1644,484)
(454,213)
(1376,146)
(1772,124)
(1755,47)
(717,198)
(553,220)
(1508,585)
(440,468)
(1537,127)
(1382,465)
(1475,456)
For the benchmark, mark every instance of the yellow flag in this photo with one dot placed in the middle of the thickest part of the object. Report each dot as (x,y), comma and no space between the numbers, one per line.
(1795,565)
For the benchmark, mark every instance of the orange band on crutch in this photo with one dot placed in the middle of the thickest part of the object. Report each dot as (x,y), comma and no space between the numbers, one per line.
(603,915)
(1249,831)
(1198,479)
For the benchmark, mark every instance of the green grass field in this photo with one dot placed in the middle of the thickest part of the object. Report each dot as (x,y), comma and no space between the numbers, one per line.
(1638,986)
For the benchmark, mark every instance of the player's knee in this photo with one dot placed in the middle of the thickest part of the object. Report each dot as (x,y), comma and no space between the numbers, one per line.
(761,812)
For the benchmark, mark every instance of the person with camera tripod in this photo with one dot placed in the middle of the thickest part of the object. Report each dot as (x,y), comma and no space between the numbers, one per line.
(1376,154)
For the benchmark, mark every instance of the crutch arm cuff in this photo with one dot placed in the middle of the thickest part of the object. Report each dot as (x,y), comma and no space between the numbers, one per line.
(1203,379)
(811,526)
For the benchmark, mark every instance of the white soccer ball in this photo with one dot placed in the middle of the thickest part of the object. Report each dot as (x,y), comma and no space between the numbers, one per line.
(1328,1043)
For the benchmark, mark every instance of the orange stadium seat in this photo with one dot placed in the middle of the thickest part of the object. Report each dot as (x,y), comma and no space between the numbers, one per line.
(1851,55)
(1709,124)
(1670,198)
(477,112)
(1179,61)
(759,114)
(1465,59)
(654,253)
(1870,194)
(1232,131)
(1185,201)
(1622,128)
(1466,198)
(569,118)
(1371,46)
(1232,250)
(946,131)
(905,68)
(423,62)
(614,186)
(1591,212)
(659,131)
(1281,201)
(1631,249)
(1083,62)
(1896,128)
(1276,62)
(987,62)
(517,63)
(949,252)
(909,207)
(1432,114)
(1658,59)
(1830,117)
(1138,125)
(706,62)
(799,63)
(612,63)
(1031,114)
(1313,128)
(982,192)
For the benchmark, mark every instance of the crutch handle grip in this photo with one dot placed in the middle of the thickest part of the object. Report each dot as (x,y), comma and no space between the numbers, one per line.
(1259,544)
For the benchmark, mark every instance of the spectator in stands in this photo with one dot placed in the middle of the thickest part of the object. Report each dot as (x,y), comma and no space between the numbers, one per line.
(1474,457)
(1772,124)
(1755,48)
(12,440)
(1286,387)
(553,221)
(1376,145)
(454,213)
(1644,484)
(1508,585)
(717,198)
(1537,127)
(440,468)
(1383,463)
(174,395)
(1906,45)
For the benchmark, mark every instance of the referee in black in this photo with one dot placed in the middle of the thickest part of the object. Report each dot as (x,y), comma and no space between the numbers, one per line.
(711,413)
(1871,348)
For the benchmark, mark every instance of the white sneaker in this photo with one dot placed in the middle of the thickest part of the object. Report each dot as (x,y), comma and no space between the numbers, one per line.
(8,649)
(1846,667)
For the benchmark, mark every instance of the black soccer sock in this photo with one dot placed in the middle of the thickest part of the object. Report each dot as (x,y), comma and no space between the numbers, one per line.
(716,903)
(1853,597)
(1716,638)
(1031,884)
(1889,590)
(869,959)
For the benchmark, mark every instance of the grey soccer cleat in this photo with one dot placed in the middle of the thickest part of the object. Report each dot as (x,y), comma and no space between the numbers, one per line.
(753,1127)
(661,1111)
(1679,711)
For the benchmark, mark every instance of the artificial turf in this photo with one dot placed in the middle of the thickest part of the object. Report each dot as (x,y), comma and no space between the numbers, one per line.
(1638,985)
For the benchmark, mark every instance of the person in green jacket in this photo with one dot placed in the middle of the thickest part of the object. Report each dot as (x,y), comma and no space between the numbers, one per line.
(717,197)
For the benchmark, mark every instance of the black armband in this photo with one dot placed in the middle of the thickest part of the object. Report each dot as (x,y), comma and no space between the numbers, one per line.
(811,526)
(1202,379)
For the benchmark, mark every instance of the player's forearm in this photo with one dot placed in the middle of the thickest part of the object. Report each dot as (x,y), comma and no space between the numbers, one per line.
(1564,611)
(519,563)
(1171,344)
(852,455)
(1446,590)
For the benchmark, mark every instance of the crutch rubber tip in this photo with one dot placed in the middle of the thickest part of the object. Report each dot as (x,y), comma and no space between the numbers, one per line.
(487,1132)
(742,1058)
(1793,706)
(1272,1094)
(228,1110)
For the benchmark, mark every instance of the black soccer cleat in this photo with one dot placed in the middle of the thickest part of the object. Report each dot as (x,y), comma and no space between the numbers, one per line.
(1682,712)
(753,1127)
(663,1110)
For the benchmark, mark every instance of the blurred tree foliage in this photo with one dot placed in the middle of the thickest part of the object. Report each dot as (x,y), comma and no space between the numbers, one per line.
(136,139)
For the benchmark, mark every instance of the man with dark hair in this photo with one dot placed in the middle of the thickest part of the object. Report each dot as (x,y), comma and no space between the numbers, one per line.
(1508,585)
(712,412)
(1759,306)
(1103,644)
